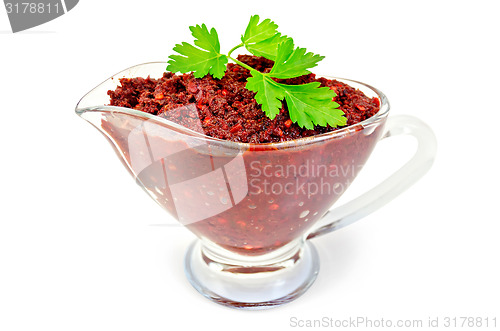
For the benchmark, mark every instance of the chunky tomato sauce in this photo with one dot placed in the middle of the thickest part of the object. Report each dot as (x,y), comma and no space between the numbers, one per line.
(265,197)
(225,109)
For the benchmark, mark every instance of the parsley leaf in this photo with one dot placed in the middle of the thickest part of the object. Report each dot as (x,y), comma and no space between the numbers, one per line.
(268,93)
(293,62)
(308,104)
(203,60)
(262,39)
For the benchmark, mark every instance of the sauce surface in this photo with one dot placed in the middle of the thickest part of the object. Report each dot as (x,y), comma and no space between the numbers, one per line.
(225,109)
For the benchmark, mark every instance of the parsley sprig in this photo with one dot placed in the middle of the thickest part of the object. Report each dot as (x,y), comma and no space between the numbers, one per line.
(308,104)
(261,39)
(204,60)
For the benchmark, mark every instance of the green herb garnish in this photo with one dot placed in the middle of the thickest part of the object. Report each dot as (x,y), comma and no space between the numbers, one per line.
(261,39)
(204,60)
(308,104)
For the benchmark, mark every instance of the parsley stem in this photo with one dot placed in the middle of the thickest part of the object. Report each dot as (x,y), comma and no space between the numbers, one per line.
(241,63)
(234,48)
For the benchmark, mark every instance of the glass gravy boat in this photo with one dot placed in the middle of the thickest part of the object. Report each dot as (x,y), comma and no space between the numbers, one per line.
(253,206)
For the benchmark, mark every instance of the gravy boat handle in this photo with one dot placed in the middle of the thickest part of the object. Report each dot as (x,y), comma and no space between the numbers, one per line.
(391,187)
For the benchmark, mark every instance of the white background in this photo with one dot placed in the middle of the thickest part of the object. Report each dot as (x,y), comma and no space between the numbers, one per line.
(78,250)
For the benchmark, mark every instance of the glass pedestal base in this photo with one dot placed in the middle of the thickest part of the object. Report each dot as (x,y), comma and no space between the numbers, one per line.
(252,282)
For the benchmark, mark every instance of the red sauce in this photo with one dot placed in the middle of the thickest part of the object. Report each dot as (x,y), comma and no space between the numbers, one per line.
(266,217)
(225,109)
